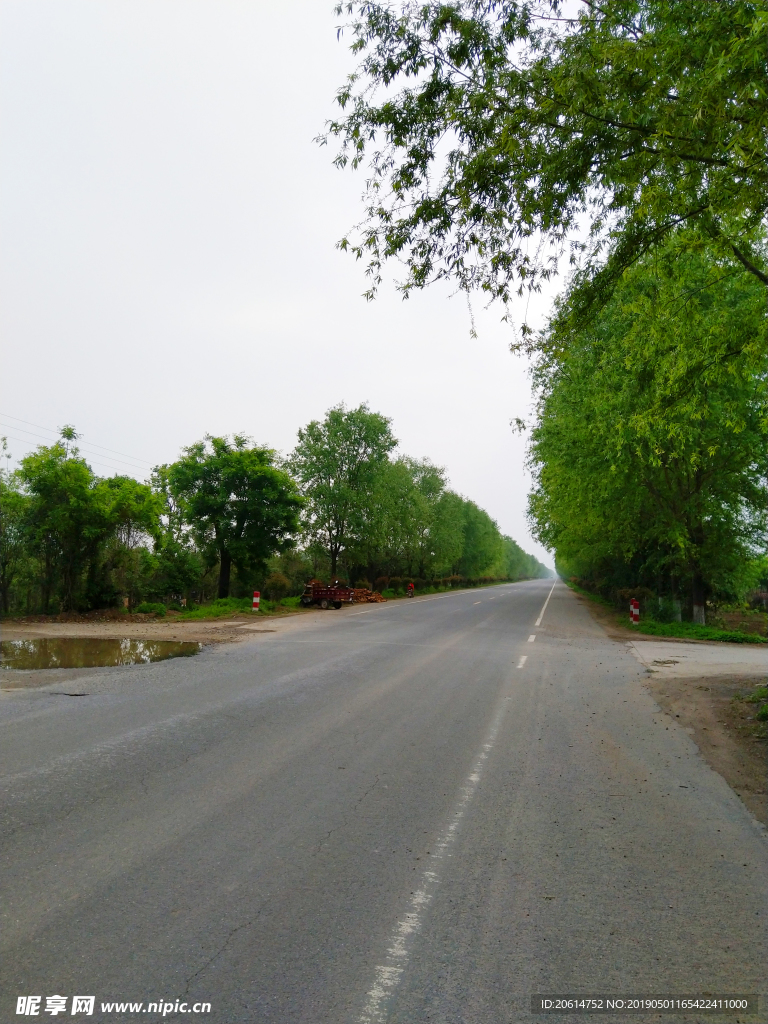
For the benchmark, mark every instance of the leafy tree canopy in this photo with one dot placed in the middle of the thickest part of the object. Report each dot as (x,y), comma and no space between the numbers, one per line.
(336,462)
(495,131)
(649,450)
(240,505)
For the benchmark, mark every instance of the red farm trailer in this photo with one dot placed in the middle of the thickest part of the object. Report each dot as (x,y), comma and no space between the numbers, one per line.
(326,597)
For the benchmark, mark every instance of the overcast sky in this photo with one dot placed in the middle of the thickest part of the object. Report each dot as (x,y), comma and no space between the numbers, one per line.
(168,261)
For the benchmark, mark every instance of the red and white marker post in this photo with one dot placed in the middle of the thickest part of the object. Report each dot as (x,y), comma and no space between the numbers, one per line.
(634,611)
(256,599)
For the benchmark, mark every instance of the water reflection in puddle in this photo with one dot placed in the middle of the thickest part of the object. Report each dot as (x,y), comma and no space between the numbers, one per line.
(90,652)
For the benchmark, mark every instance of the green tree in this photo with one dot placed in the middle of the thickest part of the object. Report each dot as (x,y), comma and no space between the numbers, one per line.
(13,513)
(240,505)
(490,124)
(131,512)
(482,542)
(337,463)
(65,520)
(446,534)
(649,449)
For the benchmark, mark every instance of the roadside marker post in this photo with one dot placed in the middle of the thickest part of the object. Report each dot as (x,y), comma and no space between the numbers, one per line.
(256,599)
(634,611)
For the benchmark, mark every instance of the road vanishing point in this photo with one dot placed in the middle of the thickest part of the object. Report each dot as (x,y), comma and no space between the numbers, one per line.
(424,810)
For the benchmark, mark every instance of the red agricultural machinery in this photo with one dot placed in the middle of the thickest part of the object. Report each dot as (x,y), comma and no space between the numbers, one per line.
(336,595)
(333,596)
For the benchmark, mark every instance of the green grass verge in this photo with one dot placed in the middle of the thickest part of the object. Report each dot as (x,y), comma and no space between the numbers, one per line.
(681,630)
(690,631)
(226,607)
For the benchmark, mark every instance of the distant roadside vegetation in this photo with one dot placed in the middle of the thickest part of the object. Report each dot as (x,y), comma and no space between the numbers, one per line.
(230,517)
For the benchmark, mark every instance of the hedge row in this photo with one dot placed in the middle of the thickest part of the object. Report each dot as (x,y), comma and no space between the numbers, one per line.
(444,583)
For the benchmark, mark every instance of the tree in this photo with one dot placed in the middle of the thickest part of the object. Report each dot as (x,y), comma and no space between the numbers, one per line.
(336,462)
(649,449)
(482,541)
(65,520)
(489,125)
(240,505)
(13,512)
(132,511)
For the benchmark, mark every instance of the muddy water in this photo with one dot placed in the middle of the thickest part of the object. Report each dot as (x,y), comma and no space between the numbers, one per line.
(89,652)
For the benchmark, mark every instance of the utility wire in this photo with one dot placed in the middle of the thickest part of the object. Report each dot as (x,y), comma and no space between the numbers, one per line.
(33,434)
(96,461)
(52,431)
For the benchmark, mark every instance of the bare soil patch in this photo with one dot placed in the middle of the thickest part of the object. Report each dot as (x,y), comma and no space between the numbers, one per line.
(130,627)
(723,729)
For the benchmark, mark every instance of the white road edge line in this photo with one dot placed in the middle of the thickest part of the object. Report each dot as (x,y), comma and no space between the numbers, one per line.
(522,661)
(531,638)
(541,616)
(388,974)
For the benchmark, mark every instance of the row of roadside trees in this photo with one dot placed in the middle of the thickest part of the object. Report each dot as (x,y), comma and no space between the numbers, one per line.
(649,451)
(502,137)
(230,515)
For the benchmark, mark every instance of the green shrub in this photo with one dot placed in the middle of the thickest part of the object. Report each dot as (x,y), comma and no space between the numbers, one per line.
(276,586)
(382,583)
(151,608)
(363,584)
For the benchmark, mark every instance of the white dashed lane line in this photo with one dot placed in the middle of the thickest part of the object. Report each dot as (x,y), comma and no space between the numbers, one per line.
(387,974)
(541,616)
(531,638)
(522,661)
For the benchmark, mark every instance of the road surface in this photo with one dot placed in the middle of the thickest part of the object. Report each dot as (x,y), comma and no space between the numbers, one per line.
(426,810)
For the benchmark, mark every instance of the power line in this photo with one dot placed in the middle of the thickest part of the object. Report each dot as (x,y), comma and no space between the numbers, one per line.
(50,430)
(33,434)
(96,462)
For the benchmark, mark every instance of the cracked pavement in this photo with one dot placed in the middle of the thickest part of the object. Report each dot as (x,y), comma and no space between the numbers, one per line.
(247,827)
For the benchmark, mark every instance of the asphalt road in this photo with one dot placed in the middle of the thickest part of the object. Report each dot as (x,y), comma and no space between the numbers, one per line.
(378,814)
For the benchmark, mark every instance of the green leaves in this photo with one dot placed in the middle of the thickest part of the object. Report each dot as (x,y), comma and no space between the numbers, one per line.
(240,506)
(649,448)
(485,123)
(337,463)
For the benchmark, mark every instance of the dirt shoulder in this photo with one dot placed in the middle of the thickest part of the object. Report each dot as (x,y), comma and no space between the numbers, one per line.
(723,730)
(699,694)
(206,631)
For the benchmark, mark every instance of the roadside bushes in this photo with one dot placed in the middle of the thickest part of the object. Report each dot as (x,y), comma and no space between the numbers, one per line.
(151,608)
(276,586)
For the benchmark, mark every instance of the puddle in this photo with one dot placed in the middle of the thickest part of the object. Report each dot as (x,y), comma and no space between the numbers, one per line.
(90,652)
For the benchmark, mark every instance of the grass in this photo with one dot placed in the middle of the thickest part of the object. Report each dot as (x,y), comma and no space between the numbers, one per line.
(681,630)
(226,607)
(759,696)
(691,631)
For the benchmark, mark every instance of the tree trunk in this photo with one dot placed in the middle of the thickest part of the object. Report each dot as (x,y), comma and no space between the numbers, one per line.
(225,572)
(698,593)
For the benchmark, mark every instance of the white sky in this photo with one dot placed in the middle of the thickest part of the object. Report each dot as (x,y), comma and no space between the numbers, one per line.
(168,265)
